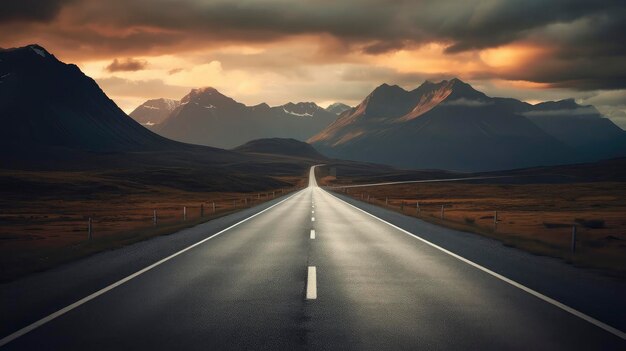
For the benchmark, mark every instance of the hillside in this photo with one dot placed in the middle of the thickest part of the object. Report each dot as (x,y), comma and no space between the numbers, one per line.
(47,103)
(280,146)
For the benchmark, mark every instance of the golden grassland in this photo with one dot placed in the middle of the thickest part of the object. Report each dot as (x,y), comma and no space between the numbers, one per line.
(39,230)
(534,217)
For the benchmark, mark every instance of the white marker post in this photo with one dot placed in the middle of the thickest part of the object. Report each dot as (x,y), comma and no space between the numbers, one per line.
(443,211)
(213,206)
(184,213)
(154,218)
(417,207)
(89,232)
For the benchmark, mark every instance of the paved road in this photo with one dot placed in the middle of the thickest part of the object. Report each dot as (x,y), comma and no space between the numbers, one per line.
(314,272)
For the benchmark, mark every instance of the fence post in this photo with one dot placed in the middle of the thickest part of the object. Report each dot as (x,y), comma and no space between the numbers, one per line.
(154,217)
(443,211)
(402,206)
(417,207)
(386,201)
(213,206)
(495,220)
(273,194)
(201,210)
(574,238)
(184,213)
(89,231)
(245,201)
(368,198)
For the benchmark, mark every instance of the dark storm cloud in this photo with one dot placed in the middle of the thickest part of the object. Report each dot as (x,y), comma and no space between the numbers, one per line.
(585,36)
(126,65)
(30,10)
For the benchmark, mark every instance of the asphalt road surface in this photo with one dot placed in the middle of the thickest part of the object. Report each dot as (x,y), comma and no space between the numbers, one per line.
(310,271)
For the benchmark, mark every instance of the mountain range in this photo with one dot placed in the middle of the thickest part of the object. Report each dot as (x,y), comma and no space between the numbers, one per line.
(207,117)
(450,125)
(55,118)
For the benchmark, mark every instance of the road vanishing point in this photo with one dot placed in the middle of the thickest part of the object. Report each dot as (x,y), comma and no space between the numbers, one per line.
(313,270)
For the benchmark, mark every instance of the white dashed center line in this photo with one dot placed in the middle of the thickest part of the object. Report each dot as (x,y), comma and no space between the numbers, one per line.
(312,233)
(311,284)
(312,219)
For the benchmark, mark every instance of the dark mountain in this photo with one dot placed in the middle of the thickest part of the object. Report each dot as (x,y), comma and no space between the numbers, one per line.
(337,108)
(153,112)
(45,102)
(580,127)
(207,117)
(449,125)
(280,146)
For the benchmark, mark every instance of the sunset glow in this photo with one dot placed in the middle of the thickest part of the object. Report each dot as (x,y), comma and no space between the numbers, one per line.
(325,51)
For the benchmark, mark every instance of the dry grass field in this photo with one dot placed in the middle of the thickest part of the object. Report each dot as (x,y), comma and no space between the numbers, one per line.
(533,217)
(45,215)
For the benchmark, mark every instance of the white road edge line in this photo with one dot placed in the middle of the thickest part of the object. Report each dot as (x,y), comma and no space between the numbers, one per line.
(312,233)
(311,284)
(537,294)
(84,300)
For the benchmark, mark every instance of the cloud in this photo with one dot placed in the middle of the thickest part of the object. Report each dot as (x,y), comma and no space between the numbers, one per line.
(115,86)
(566,47)
(579,111)
(128,64)
(467,103)
(31,10)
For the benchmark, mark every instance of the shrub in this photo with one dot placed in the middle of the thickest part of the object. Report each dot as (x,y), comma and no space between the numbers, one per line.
(591,223)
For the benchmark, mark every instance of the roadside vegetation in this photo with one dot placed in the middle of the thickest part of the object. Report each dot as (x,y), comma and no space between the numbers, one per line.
(43,228)
(538,218)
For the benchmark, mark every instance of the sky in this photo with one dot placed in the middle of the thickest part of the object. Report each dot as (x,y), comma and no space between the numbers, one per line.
(277,51)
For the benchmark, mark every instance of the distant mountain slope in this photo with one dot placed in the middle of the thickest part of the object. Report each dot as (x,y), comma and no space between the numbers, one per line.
(207,117)
(449,125)
(280,146)
(337,108)
(44,102)
(581,127)
(154,111)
